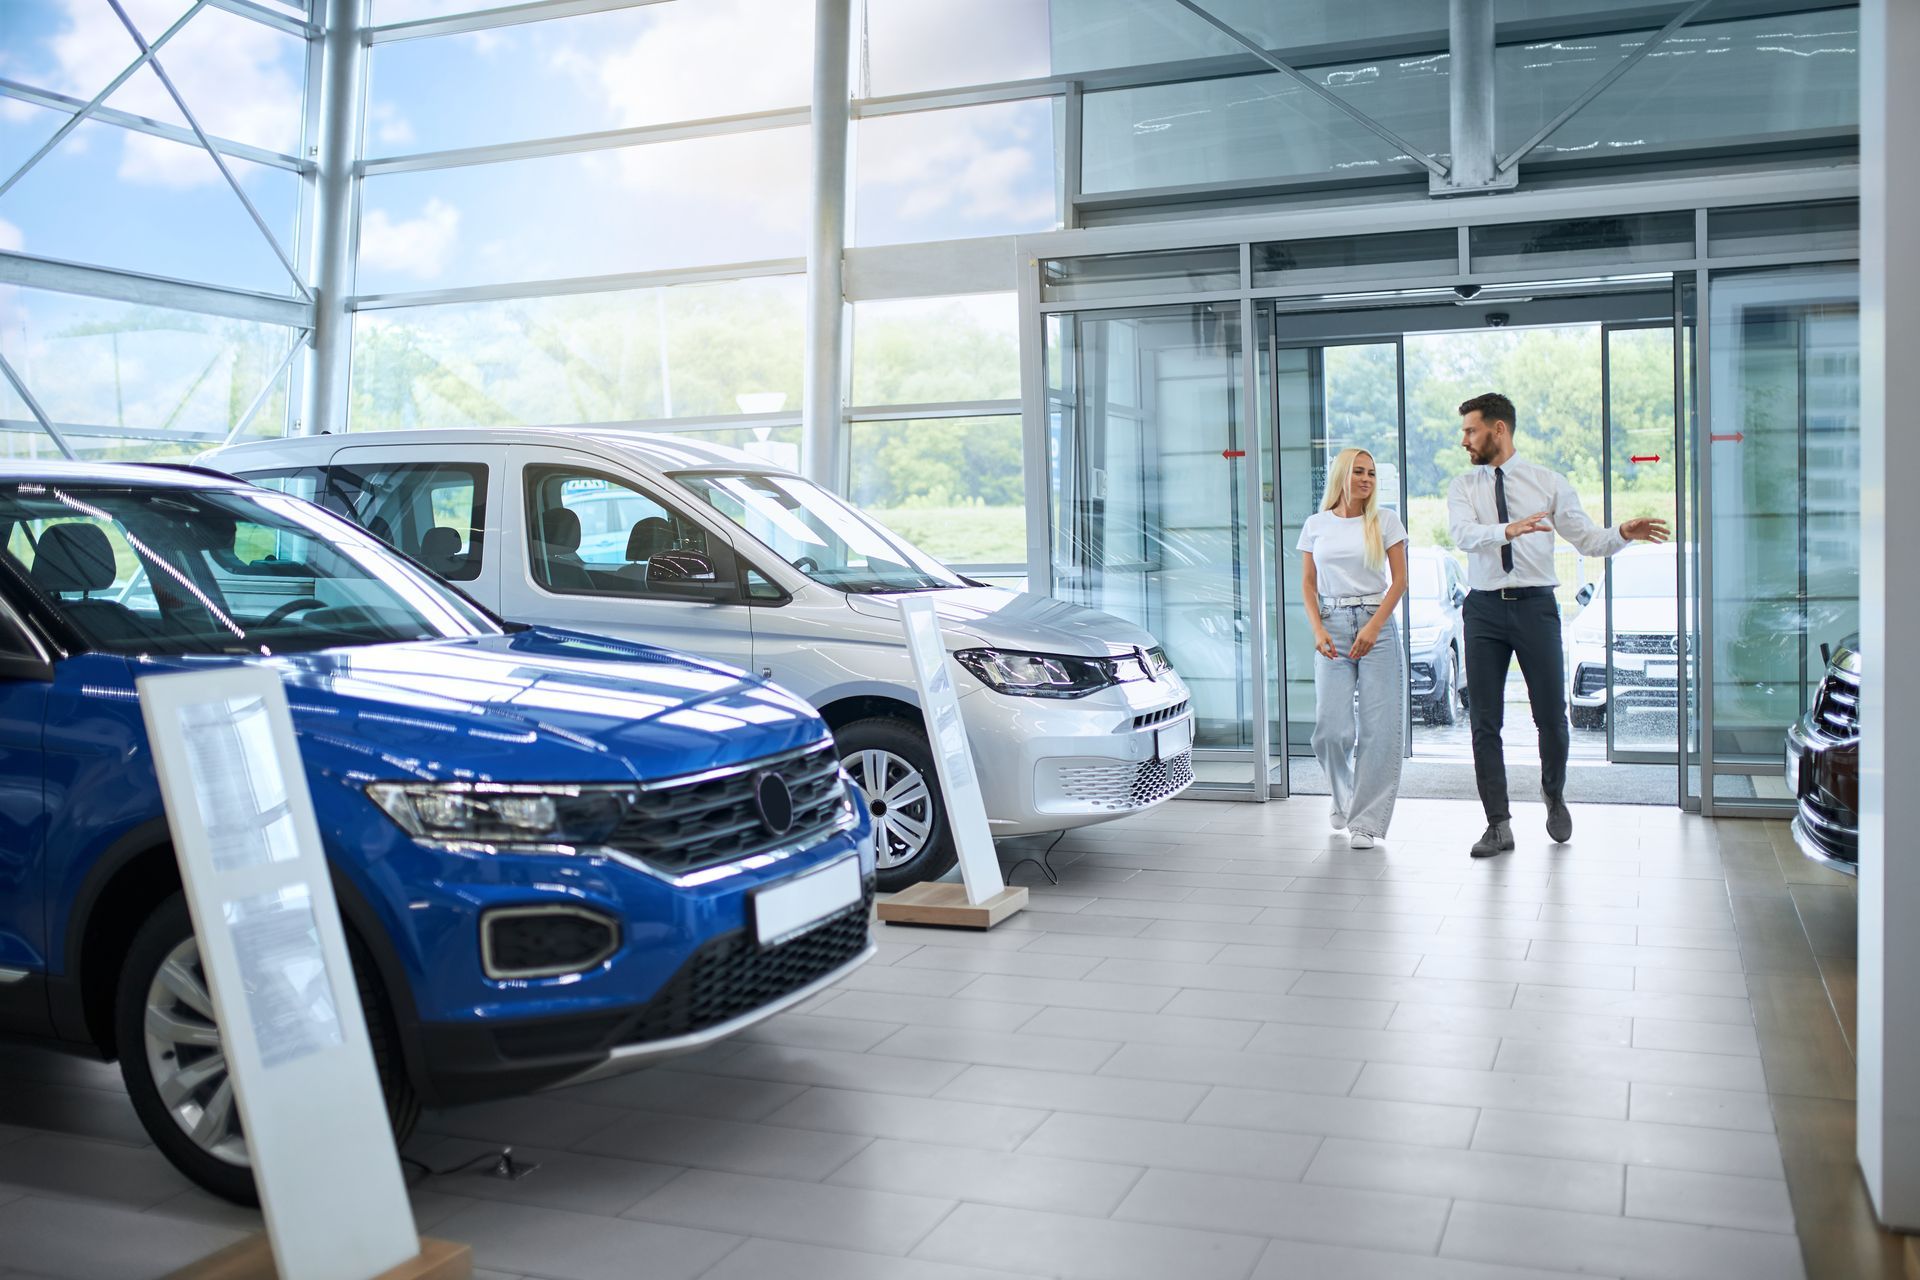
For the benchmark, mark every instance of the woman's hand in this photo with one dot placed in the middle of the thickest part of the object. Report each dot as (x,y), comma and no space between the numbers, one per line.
(1364,641)
(1323,643)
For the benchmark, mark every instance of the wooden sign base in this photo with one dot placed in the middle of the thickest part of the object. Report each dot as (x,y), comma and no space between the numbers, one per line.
(252,1259)
(939,902)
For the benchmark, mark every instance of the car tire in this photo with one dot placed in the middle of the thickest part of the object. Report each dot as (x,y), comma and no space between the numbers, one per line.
(1460,675)
(161,981)
(893,763)
(1440,710)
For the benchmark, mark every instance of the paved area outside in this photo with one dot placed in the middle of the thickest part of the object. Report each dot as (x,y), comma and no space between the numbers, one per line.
(1224,1047)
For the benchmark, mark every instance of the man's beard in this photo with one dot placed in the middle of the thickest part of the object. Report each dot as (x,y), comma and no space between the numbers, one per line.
(1482,456)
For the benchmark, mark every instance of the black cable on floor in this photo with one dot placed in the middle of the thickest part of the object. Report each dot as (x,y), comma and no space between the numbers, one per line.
(1046,867)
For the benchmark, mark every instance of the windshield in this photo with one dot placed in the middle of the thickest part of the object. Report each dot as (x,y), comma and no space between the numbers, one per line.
(819,534)
(177,571)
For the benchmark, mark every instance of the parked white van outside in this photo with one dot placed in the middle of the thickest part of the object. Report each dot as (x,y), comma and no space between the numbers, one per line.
(1075,716)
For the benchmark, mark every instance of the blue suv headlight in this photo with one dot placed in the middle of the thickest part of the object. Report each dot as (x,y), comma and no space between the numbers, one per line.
(553,817)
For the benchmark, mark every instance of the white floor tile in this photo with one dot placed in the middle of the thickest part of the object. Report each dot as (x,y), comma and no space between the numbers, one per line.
(1627,1247)
(1087,1248)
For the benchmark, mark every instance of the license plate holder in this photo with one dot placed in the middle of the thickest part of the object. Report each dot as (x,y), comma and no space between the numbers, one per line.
(788,908)
(1663,671)
(1173,740)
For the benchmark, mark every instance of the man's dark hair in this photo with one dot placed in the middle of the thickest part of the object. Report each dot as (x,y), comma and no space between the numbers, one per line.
(1492,406)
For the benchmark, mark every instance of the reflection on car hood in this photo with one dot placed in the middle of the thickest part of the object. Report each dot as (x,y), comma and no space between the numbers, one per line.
(1018,620)
(537,705)
(1427,613)
(1643,614)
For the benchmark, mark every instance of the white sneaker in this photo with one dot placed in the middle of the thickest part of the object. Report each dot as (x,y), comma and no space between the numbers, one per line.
(1337,820)
(1359,840)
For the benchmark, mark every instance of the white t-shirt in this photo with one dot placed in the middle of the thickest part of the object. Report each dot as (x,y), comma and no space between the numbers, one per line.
(1338,545)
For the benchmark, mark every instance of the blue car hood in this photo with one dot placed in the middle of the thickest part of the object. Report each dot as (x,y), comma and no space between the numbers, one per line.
(539,705)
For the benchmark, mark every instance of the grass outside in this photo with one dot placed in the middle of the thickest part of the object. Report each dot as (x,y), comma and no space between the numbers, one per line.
(962,535)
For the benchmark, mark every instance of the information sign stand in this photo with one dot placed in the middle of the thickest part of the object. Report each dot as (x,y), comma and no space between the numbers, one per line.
(983,899)
(275,957)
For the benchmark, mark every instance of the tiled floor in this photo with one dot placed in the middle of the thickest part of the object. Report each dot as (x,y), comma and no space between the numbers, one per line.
(1224,1046)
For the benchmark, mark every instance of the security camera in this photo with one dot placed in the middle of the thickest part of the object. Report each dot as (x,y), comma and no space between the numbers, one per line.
(1496,319)
(1466,291)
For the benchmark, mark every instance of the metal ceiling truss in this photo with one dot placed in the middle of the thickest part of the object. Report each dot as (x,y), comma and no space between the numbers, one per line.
(1471,44)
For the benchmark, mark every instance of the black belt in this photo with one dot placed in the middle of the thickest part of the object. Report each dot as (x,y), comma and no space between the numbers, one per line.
(1515,593)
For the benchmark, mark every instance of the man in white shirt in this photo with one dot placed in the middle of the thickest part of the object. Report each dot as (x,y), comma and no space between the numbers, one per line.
(1511,611)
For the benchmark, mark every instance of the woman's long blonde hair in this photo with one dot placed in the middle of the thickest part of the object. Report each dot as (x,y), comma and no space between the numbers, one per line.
(1337,477)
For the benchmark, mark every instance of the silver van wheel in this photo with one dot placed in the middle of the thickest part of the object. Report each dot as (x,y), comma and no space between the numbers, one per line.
(901,801)
(187,1059)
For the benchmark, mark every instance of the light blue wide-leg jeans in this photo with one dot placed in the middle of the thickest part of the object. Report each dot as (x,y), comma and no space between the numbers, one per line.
(1359,728)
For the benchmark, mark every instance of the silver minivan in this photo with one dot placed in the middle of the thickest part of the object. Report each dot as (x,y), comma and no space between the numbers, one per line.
(1075,716)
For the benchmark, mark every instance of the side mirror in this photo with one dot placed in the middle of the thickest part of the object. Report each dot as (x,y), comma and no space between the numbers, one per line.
(25,666)
(687,575)
(1459,597)
(1584,596)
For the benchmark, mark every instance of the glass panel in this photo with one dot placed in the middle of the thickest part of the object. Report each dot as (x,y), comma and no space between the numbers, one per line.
(1263,127)
(691,350)
(1789,228)
(652,64)
(1329,399)
(668,204)
(244,81)
(1094,34)
(76,48)
(912,45)
(1149,517)
(1582,242)
(936,350)
(1783,506)
(112,197)
(1711,82)
(954,487)
(183,378)
(942,175)
(1283,264)
(1120,275)
(1640,674)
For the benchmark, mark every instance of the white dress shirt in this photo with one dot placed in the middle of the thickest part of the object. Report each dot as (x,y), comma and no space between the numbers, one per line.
(1474,520)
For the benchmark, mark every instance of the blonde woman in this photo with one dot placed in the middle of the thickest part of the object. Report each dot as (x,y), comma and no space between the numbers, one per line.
(1353,576)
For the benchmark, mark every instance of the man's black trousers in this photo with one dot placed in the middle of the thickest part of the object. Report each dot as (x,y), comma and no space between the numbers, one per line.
(1498,630)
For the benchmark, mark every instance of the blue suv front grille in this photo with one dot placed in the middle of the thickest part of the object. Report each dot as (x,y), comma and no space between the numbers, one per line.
(680,826)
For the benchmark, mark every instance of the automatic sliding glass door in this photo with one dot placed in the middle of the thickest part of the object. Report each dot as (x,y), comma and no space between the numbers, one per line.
(1323,399)
(1150,522)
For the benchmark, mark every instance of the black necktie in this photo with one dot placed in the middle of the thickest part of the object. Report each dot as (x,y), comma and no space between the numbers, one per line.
(1500,509)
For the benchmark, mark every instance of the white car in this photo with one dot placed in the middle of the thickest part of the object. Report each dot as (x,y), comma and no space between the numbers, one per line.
(1646,644)
(1075,717)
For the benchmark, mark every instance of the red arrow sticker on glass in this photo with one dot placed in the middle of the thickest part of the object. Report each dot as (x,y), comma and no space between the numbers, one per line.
(1736,437)
(1650,458)
(1233,453)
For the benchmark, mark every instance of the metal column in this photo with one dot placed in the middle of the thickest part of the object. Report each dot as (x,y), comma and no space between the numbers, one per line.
(1470,85)
(826,247)
(342,90)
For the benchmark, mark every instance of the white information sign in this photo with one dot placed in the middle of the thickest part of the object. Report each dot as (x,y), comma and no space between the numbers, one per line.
(959,784)
(275,956)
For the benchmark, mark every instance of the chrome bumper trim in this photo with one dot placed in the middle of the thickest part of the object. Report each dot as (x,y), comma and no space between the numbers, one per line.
(628,1057)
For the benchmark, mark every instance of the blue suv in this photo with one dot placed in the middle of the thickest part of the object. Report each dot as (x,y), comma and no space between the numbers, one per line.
(555,854)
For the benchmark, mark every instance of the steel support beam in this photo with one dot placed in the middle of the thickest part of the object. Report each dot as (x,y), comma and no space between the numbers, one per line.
(33,407)
(823,376)
(1470,85)
(1599,86)
(1432,166)
(494,18)
(148,125)
(150,291)
(342,92)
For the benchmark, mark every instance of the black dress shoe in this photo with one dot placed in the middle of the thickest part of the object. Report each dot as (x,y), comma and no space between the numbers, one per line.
(1499,839)
(1559,821)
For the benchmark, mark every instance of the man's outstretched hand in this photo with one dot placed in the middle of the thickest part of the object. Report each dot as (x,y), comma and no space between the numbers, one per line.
(1645,529)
